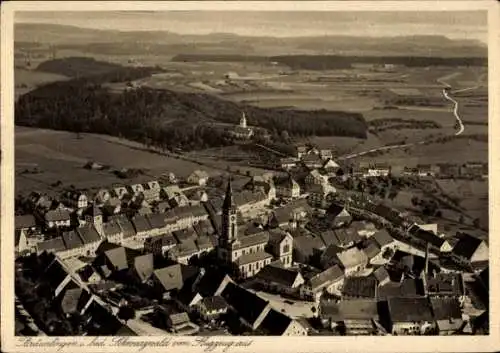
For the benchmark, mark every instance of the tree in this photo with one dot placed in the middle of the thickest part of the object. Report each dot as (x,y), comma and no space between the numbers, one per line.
(461,219)
(476,222)
(126,313)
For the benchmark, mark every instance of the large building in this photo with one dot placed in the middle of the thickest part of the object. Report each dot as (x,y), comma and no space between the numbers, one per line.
(242,131)
(249,252)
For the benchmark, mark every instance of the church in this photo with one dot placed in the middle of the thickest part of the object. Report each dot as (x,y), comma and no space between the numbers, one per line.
(242,131)
(251,252)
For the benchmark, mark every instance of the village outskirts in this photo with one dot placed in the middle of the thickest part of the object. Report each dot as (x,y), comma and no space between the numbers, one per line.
(297,251)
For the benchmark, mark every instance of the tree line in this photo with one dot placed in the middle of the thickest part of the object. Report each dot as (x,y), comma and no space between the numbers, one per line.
(164,118)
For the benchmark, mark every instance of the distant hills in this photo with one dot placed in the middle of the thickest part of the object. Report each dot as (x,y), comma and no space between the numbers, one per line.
(163,42)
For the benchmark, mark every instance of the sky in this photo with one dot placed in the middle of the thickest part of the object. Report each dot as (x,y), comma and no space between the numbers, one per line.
(454,25)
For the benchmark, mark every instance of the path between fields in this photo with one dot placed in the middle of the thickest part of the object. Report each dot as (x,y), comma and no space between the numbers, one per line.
(445,91)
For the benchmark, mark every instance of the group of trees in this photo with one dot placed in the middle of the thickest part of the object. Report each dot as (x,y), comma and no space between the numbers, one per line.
(427,207)
(164,118)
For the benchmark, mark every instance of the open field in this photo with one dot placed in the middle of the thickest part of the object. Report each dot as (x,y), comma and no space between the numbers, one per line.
(61,156)
(26,80)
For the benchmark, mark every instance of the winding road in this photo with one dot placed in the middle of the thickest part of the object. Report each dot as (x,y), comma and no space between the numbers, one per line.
(446,95)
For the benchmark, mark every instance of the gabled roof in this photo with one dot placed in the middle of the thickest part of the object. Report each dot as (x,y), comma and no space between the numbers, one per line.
(352,257)
(179,318)
(426,236)
(330,275)
(169,277)
(346,236)
(126,226)
(111,228)
(144,266)
(363,287)
(117,257)
(141,224)
(156,220)
(88,234)
(371,248)
(279,275)
(55,244)
(357,309)
(381,274)
(248,305)
(93,211)
(253,257)
(57,215)
(72,240)
(275,323)
(214,303)
(253,239)
(466,245)
(445,308)
(409,309)
(25,221)
(163,240)
(383,237)
(210,282)
(54,274)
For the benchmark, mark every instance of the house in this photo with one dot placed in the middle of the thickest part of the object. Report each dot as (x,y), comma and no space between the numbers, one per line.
(281,246)
(360,287)
(198,177)
(250,308)
(290,214)
(160,244)
(167,279)
(430,238)
(26,223)
(73,299)
(260,184)
(278,324)
(179,323)
(112,258)
(120,191)
(102,196)
(301,151)
(326,154)
(112,232)
(54,245)
(211,308)
(142,227)
(279,279)
(151,191)
(444,285)
(471,249)
(385,241)
(251,203)
(356,316)
(196,196)
(382,276)
(288,163)
(312,161)
(330,281)
(321,195)
(378,169)
(371,249)
(428,170)
(102,322)
(175,196)
(142,267)
(410,316)
(75,199)
(352,260)
(338,216)
(90,239)
(447,315)
(286,187)
(57,218)
(305,244)
(315,177)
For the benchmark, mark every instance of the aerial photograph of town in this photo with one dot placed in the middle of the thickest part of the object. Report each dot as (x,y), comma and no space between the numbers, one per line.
(237,173)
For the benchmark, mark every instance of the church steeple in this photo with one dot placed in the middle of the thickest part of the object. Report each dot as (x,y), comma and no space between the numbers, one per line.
(243,120)
(228,200)
(229,231)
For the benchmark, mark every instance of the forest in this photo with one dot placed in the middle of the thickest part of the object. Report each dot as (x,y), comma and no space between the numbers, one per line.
(171,120)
